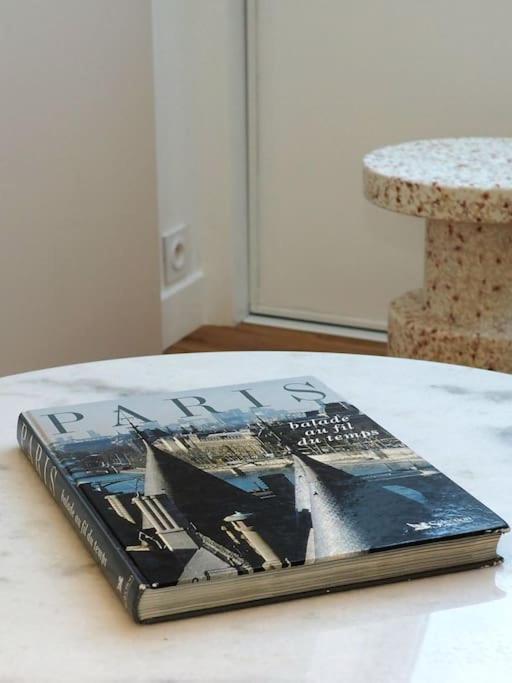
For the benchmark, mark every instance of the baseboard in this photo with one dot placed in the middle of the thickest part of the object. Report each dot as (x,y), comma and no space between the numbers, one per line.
(322,328)
(182,308)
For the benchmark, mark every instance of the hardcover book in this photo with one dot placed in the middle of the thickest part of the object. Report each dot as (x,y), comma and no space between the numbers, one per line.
(194,501)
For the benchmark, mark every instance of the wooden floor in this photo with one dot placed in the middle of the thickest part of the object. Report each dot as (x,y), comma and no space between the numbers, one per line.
(249,337)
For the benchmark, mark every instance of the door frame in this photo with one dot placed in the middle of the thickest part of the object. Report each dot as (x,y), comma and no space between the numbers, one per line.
(205,61)
(334,324)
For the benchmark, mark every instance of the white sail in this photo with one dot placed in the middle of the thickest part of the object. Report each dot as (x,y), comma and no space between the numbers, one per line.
(154,482)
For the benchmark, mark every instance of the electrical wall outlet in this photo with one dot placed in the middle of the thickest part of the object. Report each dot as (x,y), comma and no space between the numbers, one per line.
(177,254)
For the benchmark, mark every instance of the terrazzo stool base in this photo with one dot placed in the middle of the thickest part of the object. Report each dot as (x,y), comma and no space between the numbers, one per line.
(463,314)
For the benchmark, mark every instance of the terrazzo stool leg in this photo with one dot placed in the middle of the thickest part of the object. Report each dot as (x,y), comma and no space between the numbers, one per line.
(464,312)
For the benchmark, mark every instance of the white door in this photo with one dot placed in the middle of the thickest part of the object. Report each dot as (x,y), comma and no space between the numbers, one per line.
(328,82)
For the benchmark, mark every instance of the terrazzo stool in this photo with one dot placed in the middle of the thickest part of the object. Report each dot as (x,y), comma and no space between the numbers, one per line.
(463,187)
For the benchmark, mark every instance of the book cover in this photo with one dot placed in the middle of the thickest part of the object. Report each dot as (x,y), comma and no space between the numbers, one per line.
(190,486)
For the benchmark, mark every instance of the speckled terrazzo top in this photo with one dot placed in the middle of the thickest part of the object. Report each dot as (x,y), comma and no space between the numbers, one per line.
(459,179)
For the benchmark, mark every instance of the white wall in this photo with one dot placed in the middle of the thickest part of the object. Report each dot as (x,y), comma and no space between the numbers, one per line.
(199,61)
(78,227)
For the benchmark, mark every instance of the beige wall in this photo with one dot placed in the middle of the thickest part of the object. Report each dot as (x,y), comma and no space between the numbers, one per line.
(79,264)
(199,57)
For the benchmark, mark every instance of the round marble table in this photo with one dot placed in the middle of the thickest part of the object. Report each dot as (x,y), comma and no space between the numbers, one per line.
(60,620)
(463,187)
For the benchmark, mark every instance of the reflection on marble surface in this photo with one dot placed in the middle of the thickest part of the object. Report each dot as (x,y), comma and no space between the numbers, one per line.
(60,621)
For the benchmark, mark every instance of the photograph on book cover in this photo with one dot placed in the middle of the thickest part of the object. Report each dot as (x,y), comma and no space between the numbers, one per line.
(232,480)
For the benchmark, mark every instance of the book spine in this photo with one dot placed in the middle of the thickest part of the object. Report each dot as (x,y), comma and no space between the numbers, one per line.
(99,541)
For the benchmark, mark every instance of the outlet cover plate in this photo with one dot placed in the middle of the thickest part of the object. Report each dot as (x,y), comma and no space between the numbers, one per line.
(177,254)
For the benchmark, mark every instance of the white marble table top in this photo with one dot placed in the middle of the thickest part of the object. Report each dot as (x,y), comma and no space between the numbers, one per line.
(459,179)
(60,620)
